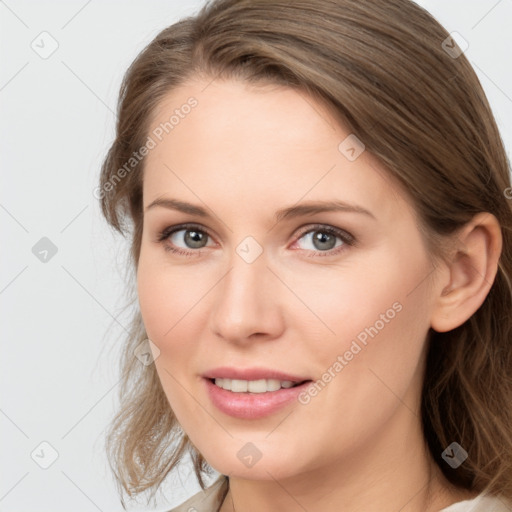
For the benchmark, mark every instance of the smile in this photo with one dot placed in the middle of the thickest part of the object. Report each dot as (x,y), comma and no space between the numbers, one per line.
(255,398)
(254,386)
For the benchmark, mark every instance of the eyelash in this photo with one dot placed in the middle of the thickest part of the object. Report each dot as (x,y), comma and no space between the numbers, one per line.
(347,239)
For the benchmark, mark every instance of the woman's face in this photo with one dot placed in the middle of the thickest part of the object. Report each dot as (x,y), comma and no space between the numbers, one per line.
(267,285)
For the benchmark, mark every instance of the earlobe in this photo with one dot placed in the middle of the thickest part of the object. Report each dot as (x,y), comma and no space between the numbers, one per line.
(471,272)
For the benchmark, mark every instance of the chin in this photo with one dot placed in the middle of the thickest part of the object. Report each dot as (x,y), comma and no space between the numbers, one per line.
(243,459)
(270,470)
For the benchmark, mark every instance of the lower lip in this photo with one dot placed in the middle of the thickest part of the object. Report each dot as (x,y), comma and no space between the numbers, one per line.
(252,405)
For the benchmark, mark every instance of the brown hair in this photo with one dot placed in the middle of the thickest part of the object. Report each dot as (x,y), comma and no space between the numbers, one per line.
(386,72)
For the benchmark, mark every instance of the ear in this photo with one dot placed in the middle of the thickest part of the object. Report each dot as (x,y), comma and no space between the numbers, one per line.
(470,273)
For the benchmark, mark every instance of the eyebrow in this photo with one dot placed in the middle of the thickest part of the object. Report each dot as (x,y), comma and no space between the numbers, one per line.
(305,208)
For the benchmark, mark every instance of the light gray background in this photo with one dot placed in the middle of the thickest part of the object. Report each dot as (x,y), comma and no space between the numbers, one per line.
(62,321)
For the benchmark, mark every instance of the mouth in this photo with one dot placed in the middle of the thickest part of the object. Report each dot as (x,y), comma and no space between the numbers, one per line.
(255,386)
(261,393)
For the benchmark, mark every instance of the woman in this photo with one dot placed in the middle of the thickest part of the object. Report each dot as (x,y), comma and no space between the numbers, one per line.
(318,201)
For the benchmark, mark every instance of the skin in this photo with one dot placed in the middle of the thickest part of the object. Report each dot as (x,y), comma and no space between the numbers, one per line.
(243,153)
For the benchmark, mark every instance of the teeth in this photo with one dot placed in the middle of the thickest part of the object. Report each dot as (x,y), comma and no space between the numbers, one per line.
(238,386)
(253,386)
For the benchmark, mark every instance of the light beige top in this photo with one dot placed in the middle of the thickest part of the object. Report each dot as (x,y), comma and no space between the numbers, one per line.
(208,500)
(212,497)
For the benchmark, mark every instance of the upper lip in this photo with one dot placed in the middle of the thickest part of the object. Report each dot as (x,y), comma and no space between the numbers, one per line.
(226,372)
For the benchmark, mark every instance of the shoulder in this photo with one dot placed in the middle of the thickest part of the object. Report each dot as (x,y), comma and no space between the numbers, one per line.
(208,500)
(482,503)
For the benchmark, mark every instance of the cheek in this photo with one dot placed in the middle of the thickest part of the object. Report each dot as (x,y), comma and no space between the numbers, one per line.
(364,303)
(380,319)
(166,296)
(171,301)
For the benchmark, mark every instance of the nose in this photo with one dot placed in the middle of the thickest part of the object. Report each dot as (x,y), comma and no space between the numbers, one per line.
(247,303)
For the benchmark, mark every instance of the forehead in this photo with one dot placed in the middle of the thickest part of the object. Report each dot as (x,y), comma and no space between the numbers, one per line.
(271,142)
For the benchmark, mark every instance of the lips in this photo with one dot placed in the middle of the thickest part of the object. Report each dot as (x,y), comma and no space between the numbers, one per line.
(248,405)
(252,374)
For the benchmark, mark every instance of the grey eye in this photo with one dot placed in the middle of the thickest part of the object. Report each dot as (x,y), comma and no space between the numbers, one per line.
(191,237)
